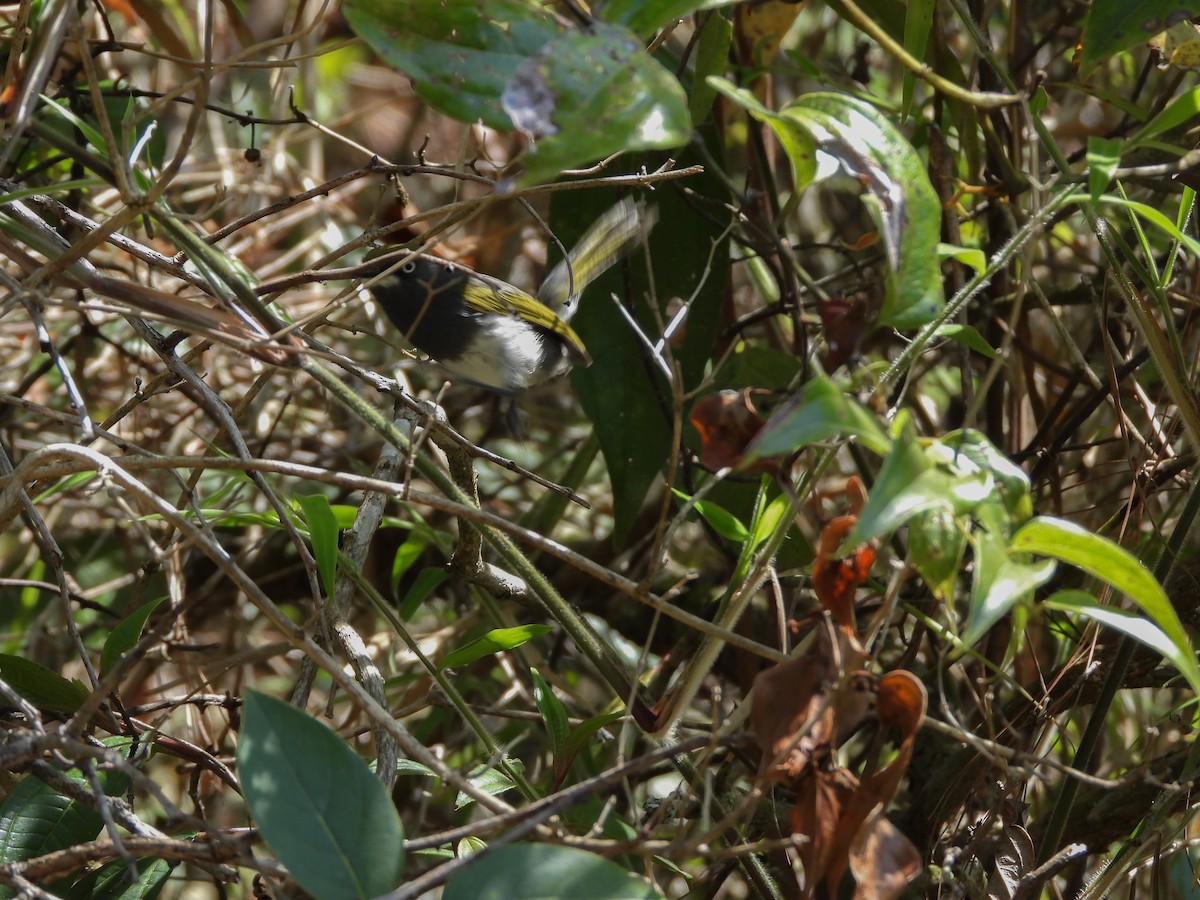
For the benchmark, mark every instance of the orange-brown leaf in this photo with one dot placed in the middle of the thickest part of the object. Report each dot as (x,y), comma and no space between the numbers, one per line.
(727,421)
(836,581)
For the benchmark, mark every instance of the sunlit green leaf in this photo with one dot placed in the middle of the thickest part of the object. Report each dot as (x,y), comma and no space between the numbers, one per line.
(495,641)
(1113,564)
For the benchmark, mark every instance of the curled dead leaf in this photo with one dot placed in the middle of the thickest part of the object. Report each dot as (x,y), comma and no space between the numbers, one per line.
(803,709)
(836,580)
(727,421)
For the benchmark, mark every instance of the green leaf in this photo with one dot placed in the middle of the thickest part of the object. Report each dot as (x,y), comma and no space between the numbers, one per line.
(648,16)
(899,192)
(936,543)
(491,780)
(1103,156)
(459,55)
(1137,627)
(579,95)
(621,391)
(764,526)
(543,871)
(1114,26)
(316,803)
(125,634)
(918,22)
(1157,218)
(1180,111)
(722,520)
(554,714)
(495,641)
(112,881)
(323,535)
(42,687)
(821,411)
(711,58)
(902,198)
(968,256)
(1012,582)
(581,735)
(1113,564)
(35,819)
(969,337)
(796,140)
(426,582)
(406,556)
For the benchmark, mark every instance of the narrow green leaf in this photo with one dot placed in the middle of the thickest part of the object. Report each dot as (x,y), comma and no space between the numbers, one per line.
(764,526)
(495,641)
(1157,218)
(125,634)
(1113,564)
(722,520)
(1182,110)
(1137,627)
(318,806)
(406,555)
(918,22)
(323,535)
(42,687)
(545,871)
(581,735)
(554,714)
(427,581)
(711,58)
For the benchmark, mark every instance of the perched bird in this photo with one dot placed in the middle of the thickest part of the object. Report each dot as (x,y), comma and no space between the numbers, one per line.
(487,332)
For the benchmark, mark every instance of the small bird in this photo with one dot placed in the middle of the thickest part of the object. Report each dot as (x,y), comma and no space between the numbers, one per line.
(489,333)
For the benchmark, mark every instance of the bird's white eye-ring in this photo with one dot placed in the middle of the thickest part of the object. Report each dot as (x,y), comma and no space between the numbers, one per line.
(409,267)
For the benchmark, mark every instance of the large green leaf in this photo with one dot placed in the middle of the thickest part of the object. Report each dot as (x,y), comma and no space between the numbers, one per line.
(622,392)
(579,95)
(1114,26)
(323,813)
(899,192)
(1113,564)
(35,819)
(542,872)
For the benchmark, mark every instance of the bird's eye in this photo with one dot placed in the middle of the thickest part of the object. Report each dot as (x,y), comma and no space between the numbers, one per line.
(409,267)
